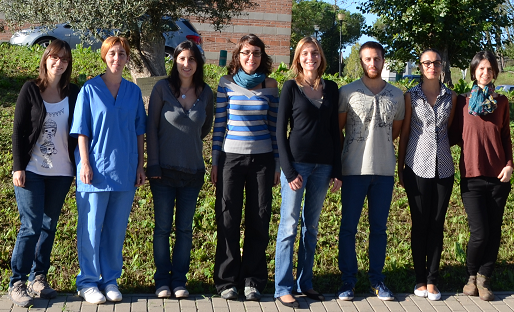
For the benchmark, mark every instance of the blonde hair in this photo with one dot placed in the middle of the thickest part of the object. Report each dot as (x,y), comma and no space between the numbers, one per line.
(111,41)
(297,68)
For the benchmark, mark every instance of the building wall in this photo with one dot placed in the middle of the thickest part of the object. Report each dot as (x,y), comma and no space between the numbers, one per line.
(4,36)
(270,21)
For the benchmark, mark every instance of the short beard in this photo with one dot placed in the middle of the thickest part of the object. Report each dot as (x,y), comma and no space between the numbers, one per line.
(374,76)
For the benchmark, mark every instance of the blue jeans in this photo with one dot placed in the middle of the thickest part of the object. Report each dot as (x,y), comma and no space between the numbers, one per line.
(379,190)
(172,273)
(316,178)
(39,204)
(101,226)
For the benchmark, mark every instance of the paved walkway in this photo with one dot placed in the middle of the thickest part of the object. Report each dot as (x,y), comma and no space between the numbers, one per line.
(206,303)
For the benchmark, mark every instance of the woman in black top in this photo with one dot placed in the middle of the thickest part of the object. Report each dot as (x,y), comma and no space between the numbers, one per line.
(43,169)
(310,161)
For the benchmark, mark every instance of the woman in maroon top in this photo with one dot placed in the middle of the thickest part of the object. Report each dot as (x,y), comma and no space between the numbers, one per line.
(481,128)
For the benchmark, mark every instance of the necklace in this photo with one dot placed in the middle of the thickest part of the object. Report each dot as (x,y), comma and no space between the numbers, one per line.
(310,85)
(183,96)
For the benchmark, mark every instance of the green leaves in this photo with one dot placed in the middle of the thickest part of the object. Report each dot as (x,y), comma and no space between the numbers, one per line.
(455,26)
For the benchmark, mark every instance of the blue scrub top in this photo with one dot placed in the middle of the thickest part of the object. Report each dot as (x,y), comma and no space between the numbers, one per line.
(112,126)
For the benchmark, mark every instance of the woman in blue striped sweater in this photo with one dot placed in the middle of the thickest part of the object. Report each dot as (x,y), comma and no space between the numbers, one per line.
(244,158)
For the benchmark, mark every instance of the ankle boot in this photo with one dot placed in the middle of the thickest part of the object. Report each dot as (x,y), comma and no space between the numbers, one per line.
(484,287)
(470,288)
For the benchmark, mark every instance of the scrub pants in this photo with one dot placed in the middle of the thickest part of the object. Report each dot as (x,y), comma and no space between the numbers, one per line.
(237,173)
(102,223)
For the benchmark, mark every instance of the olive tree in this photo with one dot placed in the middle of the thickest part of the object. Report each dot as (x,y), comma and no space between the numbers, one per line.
(141,21)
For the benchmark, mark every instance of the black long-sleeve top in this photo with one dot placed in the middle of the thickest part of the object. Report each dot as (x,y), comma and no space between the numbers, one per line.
(314,135)
(29,116)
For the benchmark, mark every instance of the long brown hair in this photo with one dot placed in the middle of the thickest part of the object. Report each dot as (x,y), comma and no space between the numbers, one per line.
(41,81)
(297,68)
(266,62)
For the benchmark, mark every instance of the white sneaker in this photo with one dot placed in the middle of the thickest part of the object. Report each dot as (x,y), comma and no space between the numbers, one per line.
(112,293)
(180,292)
(434,297)
(163,292)
(420,293)
(92,295)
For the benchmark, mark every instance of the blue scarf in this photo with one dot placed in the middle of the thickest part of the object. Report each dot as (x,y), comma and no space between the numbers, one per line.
(481,101)
(248,81)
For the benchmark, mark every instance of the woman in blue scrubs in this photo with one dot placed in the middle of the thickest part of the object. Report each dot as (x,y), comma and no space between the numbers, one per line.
(110,123)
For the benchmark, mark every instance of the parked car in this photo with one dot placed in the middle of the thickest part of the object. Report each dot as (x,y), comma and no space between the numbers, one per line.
(506,88)
(176,32)
(412,77)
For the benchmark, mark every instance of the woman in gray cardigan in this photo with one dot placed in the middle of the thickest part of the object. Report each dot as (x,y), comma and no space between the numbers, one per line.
(180,115)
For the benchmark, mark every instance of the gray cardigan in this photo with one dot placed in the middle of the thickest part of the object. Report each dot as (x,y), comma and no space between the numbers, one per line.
(173,135)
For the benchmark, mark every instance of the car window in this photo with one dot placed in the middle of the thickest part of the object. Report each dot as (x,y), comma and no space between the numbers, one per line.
(169,25)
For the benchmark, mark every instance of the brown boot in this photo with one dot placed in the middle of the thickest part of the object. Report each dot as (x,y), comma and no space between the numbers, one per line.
(470,288)
(484,287)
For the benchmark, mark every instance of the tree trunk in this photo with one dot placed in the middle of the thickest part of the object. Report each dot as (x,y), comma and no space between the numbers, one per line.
(446,74)
(147,57)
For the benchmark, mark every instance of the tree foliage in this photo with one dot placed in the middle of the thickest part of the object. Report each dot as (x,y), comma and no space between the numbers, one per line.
(307,13)
(457,28)
(353,68)
(139,20)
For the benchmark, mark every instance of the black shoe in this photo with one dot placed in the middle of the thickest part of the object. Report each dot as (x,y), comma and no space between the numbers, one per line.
(293,304)
(314,295)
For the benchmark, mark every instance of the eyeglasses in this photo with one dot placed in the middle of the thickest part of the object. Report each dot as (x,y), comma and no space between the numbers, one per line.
(436,63)
(254,53)
(55,58)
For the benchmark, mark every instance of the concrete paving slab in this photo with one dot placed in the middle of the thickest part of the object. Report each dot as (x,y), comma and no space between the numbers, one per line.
(346,306)
(331,304)
(362,305)
(204,303)
(184,305)
(268,304)
(124,305)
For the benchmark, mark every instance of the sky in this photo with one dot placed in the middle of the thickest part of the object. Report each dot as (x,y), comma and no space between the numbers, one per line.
(352,7)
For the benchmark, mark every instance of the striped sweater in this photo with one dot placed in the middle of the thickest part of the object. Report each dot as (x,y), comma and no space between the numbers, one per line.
(245,121)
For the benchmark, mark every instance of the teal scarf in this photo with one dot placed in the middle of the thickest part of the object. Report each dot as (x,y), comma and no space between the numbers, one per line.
(248,81)
(481,101)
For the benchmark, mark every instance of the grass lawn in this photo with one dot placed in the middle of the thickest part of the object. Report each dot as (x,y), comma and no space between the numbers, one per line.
(17,64)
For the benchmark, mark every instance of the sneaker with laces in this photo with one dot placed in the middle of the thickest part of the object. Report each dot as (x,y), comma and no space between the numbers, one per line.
(163,292)
(39,287)
(92,295)
(346,292)
(229,293)
(252,294)
(19,296)
(381,291)
(112,293)
(180,292)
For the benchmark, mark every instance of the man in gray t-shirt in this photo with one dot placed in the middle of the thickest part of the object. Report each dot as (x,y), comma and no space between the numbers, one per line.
(371,113)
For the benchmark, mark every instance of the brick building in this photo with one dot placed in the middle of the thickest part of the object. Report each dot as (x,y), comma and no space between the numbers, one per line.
(270,20)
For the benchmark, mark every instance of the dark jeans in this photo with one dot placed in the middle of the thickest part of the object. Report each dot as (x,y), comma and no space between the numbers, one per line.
(172,273)
(237,173)
(39,204)
(484,199)
(428,201)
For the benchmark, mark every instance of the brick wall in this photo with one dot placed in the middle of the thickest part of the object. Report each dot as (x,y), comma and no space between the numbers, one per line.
(270,21)
(4,36)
